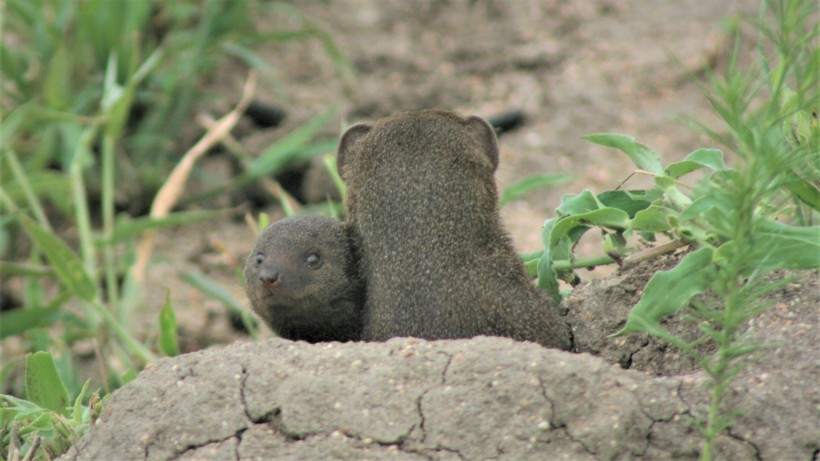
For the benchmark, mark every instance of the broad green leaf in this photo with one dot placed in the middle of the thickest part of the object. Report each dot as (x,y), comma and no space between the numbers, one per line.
(700,207)
(527,184)
(807,192)
(779,246)
(701,158)
(530,261)
(669,186)
(611,218)
(547,276)
(43,385)
(531,266)
(630,201)
(584,202)
(67,265)
(668,291)
(643,157)
(168,343)
(562,250)
(653,219)
(611,244)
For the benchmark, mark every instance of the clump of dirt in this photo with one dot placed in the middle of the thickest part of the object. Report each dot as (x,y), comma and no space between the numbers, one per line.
(600,308)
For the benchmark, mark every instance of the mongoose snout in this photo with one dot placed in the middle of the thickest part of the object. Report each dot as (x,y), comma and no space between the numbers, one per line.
(269,278)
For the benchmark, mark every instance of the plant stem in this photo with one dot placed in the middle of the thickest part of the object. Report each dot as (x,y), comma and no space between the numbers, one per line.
(81,202)
(110,261)
(581,263)
(713,413)
(31,198)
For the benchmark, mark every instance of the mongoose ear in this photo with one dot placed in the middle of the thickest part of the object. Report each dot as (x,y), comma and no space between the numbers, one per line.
(486,135)
(349,139)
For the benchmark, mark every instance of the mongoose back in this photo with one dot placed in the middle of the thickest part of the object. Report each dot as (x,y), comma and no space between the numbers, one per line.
(301,278)
(422,204)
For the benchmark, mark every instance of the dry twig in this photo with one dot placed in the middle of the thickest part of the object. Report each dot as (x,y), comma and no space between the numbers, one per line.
(170,192)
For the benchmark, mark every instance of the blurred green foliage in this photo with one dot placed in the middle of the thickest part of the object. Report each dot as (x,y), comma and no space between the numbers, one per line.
(96,104)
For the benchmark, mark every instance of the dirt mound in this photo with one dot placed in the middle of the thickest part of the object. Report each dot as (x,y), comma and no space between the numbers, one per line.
(465,399)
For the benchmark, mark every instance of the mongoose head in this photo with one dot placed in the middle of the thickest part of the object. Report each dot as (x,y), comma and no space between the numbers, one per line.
(298,269)
(416,126)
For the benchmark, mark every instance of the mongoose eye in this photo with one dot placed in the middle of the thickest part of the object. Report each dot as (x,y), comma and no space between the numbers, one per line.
(313,260)
(260,257)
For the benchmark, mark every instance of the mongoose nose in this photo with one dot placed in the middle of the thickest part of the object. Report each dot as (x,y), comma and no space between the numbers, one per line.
(269,279)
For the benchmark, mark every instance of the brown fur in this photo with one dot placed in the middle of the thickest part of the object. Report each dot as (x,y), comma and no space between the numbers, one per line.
(422,202)
(303,297)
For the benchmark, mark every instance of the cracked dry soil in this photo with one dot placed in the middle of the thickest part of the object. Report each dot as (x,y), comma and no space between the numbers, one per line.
(475,399)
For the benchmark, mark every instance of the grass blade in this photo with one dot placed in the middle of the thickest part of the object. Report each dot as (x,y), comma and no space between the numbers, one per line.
(67,265)
(130,228)
(527,184)
(18,321)
(283,151)
(43,385)
(168,343)
(643,157)
(211,288)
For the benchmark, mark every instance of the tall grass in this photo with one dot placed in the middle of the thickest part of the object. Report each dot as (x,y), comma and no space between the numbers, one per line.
(96,95)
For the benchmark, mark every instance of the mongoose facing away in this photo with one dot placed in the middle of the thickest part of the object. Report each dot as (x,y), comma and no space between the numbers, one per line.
(422,204)
(301,278)
(317,185)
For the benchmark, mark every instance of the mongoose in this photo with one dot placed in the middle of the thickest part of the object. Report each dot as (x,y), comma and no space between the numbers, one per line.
(422,204)
(318,187)
(301,278)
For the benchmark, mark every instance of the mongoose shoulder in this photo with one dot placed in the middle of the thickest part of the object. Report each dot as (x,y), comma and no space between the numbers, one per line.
(301,278)
(422,204)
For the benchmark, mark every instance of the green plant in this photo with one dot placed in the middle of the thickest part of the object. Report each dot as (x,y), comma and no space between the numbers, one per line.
(741,222)
(94,98)
(45,421)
